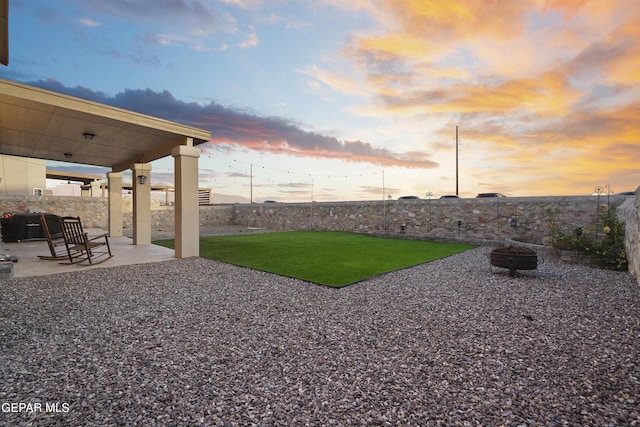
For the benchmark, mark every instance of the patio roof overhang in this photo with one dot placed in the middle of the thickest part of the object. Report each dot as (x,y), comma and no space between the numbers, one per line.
(84,178)
(46,125)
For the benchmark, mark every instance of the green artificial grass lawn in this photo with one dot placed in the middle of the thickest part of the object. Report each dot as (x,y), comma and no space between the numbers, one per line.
(328,258)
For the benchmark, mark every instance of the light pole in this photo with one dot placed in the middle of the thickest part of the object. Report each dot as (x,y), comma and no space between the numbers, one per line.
(457,193)
(386,215)
(429,196)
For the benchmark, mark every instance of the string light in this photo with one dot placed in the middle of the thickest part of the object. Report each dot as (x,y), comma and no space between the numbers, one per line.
(306,173)
(236,172)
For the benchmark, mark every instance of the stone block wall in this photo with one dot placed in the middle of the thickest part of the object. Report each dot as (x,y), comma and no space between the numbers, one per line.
(216,215)
(94,210)
(629,214)
(470,219)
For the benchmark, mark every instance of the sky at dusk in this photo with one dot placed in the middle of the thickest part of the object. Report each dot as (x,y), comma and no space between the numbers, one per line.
(358,100)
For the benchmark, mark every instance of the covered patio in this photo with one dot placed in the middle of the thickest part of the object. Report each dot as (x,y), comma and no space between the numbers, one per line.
(29,265)
(46,125)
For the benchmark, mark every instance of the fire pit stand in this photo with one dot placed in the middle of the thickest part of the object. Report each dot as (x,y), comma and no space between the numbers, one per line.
(514,258)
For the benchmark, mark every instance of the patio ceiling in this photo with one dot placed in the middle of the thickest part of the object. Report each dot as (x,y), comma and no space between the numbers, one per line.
(46,125)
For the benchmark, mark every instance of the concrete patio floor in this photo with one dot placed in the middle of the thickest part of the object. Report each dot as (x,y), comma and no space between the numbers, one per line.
(122,248)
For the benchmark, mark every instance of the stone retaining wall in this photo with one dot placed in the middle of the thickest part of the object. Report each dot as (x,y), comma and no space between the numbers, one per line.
(469,219)
(94,210)
(629,213)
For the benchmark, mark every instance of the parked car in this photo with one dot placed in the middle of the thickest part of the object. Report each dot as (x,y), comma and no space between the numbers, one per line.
(484,195)
(449,196)
(408,198)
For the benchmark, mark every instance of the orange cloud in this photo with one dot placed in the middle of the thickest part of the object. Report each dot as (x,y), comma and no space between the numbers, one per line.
(460,19)
(625,67)
(569,8)
(542,86)
(556,157)
(550,94)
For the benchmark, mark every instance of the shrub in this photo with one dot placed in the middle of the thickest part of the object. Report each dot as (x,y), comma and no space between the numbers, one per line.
(607,252)
(575,241)
(610,253)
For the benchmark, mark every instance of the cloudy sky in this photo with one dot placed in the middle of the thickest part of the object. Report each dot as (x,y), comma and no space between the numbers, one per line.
(360,99)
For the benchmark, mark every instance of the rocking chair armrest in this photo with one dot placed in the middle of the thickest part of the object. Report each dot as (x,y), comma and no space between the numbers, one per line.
(92,238)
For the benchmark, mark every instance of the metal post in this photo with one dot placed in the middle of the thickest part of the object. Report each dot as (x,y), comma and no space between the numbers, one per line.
(429,196)
(311,217)
(598,191)
(457,161)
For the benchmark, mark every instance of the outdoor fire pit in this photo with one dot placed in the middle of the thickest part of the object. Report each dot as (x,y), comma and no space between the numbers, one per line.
(514,258)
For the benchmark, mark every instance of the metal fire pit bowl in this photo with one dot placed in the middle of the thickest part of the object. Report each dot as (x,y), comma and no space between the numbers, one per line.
(514,258)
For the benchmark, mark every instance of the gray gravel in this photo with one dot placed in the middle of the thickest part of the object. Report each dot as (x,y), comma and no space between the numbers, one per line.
(451,342)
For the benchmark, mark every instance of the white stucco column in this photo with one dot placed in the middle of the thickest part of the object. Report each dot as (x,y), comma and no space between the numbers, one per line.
(141,203)
(115,203)
(187,211)
(95,188)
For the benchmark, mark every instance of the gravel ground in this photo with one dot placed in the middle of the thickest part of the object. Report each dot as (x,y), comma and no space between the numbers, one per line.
(198,342)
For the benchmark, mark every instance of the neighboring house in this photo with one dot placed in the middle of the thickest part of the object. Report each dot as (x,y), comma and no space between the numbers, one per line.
(21,176)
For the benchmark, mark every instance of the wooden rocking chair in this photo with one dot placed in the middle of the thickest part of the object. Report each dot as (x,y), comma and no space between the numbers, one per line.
(54,240)
(81,247)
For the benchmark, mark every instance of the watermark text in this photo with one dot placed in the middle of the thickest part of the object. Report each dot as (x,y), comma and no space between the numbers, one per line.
(34,407)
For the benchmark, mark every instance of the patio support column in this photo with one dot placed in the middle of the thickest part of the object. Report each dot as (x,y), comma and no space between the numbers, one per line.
(187,210)
(141,203)
(115,203)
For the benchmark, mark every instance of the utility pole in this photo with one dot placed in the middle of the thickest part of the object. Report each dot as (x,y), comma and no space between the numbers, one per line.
(385,218)
(251,182)
(457,161)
